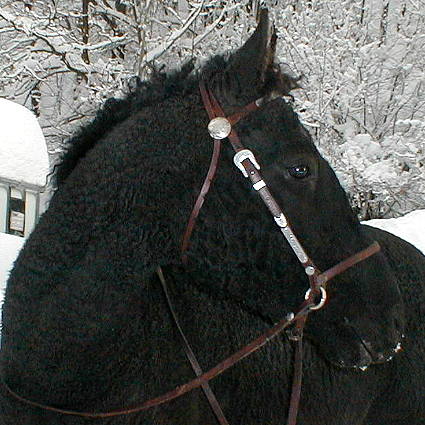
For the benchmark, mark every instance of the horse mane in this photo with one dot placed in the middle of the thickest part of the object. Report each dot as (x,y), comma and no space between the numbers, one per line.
(141,94)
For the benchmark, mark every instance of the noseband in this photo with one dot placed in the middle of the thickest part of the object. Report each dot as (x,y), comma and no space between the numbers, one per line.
(221,127)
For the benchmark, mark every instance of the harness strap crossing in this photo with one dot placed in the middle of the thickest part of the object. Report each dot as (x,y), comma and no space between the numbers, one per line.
(252,347)
(197,382)
(215,406)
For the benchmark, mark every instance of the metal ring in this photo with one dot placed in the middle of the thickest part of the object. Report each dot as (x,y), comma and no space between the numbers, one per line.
(321,302)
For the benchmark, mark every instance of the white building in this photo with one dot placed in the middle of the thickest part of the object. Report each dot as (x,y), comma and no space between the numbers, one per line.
(24,167)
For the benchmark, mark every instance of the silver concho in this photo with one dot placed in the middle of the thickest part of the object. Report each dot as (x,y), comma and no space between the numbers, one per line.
(310,270)
(219,128)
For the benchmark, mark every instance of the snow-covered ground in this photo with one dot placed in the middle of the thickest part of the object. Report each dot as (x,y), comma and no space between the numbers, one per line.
(410,227)
(9,249)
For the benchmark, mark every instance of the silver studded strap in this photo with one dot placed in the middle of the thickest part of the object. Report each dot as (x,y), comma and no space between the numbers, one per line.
(219,128)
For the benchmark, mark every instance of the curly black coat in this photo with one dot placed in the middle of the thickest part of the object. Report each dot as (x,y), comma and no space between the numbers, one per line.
(85,323)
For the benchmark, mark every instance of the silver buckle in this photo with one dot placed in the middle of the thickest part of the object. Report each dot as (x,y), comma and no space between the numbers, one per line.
(281,220)
(241,156)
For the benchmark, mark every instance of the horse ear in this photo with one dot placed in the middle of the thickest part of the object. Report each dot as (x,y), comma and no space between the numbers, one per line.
(255,59)
(253,64)
(250,72)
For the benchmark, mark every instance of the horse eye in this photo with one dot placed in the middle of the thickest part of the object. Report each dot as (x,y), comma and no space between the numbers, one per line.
(299,171)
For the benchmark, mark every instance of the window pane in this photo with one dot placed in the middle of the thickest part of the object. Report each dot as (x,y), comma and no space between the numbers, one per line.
(16,212)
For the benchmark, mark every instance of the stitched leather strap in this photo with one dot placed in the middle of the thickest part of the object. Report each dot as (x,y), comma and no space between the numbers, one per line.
(250,168)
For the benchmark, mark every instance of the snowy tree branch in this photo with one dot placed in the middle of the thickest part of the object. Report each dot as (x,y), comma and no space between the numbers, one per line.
(161,49)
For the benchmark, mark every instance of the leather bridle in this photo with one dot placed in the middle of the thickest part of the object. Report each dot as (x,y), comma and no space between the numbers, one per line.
(221,127)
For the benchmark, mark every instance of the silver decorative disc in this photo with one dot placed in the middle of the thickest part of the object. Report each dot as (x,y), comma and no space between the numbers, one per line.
(219,128)
(310,270)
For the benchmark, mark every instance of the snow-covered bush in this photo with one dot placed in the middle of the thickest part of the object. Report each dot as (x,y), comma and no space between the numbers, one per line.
(384,178)
(363,94)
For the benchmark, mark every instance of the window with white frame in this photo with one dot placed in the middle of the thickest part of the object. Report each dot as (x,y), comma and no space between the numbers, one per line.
(16,212)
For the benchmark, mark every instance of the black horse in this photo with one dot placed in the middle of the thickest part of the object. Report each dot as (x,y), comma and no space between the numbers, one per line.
(86,326)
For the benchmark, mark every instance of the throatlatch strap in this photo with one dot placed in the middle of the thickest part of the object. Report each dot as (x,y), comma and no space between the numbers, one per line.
(200,200)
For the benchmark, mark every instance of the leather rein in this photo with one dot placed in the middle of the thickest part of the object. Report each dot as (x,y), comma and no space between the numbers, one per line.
(221,127)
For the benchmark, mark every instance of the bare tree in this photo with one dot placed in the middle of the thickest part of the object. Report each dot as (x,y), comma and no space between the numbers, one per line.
(362,64)
(64,59)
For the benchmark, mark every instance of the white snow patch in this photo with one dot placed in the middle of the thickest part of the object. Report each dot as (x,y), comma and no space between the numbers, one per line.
(379,172)
(9,249)
(23,150)
(410,227)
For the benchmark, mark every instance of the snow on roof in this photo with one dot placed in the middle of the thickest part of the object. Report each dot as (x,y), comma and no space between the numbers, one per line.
(23,150)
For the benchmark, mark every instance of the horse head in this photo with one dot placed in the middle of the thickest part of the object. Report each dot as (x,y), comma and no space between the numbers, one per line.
(362,322)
